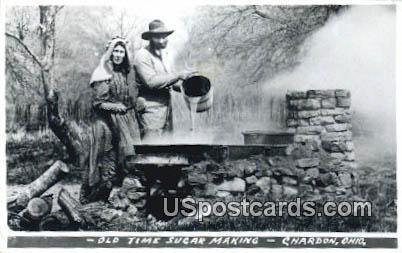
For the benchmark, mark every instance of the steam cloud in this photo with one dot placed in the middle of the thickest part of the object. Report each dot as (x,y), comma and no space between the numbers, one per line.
(356,51)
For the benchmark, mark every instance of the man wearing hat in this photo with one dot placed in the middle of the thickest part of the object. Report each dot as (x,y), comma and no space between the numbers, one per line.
(155,81)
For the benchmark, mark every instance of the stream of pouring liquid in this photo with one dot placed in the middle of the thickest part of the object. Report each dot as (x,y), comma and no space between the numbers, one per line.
(193,102)
(193,111)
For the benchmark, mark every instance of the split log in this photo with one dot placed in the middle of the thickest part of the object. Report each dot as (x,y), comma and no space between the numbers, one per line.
(31,216)
(71,207)
(56,221)
(39,186)
(37,208)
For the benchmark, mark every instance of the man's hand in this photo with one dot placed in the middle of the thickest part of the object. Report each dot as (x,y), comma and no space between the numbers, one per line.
(140,105)
(186,74)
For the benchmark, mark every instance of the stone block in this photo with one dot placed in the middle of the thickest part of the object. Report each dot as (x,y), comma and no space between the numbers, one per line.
(131,182)
(330,189)
(290,191)
(264,173)
(109,214)
(305,188)
(309,130)
(282,171)
(337,168)
(276,160)
(289,181)
(326,179)
(194,178)
(306,138)
(349,146)
(235,169)
(235,185)
(313,173)
(333,165)
(264,184)
(345,179)
(342,93)
(328,103)
(349,165)
(337,155)
(334,146)
(118,199)
(343,102)
(303,122)
(308,180)
(322,120)
(337,136)
(251,180)
(210,190)
(253,189)
(320,93)
(292,104)
(307,162)
(344,192)
(292,123)
(223,194)
(300,173)
(132,210)
(292,114)
(336,127)
(346,118)
(308,114)
(296,94)
(305,104)
(134,195)
(332,112)
(350,156)
(276,191)
(250,168)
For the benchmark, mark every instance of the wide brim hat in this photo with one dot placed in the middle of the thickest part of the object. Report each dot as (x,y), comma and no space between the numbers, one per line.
(156,27)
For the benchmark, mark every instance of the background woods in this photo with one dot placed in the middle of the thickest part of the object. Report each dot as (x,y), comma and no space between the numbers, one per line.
(252,55)
(236,46)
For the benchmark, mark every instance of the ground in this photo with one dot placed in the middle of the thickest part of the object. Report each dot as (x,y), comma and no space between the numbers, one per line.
(28,157)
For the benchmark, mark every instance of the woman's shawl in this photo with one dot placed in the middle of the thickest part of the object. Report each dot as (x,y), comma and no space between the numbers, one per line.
(103,71)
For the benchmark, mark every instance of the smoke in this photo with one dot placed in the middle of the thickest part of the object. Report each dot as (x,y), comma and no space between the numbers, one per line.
(354,50)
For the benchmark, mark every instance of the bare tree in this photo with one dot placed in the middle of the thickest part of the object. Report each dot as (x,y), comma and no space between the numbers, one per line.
(65,130)
(263,40)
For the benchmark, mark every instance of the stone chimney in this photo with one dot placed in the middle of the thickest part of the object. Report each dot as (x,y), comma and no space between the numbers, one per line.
(321,122)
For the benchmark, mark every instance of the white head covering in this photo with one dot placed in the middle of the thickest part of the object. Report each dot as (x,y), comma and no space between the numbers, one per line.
(104,70)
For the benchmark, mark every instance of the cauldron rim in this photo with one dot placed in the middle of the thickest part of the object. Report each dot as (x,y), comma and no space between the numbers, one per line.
(203,79)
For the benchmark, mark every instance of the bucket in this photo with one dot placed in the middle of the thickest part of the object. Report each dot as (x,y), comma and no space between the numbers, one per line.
(198,90)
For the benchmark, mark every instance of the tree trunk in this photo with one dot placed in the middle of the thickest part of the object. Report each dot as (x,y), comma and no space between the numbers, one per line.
(68,133)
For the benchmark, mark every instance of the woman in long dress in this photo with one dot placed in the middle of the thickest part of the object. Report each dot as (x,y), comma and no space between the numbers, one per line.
(114,130)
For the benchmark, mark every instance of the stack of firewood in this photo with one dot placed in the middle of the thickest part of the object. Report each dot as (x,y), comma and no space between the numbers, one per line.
(31,210)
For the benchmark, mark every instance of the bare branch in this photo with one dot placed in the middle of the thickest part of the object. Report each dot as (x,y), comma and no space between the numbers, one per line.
(26,48)
(58,8)
(266,16)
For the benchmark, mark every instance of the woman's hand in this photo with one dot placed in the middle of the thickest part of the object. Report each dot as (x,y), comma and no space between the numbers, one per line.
(114,107)
(106,56)
(113,43)
(121,109)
